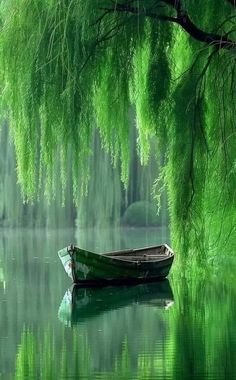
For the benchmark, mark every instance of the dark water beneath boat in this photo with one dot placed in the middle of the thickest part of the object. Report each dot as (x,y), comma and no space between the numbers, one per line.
(177,329)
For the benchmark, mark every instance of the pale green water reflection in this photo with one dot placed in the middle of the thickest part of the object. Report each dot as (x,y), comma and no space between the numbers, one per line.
(112,239)
(178,330)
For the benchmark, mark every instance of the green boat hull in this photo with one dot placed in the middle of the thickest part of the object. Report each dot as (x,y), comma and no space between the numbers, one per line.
(89,267)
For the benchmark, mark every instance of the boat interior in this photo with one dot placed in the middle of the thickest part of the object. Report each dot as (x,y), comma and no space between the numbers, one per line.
(142,254)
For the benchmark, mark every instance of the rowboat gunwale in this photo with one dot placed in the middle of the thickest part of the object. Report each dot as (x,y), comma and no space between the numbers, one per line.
(113,254)
(140,249)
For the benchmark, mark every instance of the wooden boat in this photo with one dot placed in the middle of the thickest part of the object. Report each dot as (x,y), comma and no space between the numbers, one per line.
(80,303)
(133,265)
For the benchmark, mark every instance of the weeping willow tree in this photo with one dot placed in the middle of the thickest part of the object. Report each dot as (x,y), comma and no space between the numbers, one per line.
(16,213)
(69,67)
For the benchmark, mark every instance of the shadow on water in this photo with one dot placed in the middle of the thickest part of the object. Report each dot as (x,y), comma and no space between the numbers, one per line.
(79,304)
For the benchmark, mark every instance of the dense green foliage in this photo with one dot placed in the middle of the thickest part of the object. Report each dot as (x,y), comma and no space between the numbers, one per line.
(54,99)
(69,67)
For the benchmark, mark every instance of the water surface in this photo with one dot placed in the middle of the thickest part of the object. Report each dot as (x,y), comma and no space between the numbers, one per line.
(177,329)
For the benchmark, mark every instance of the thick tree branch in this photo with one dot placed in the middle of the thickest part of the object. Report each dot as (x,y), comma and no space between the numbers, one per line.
(138,11)
(223,42)
(183,19)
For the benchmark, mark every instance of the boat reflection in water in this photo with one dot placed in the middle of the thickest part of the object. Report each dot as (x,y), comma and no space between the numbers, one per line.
(80,304)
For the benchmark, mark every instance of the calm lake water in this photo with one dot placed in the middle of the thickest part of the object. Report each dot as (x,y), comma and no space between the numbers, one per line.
(176,329)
